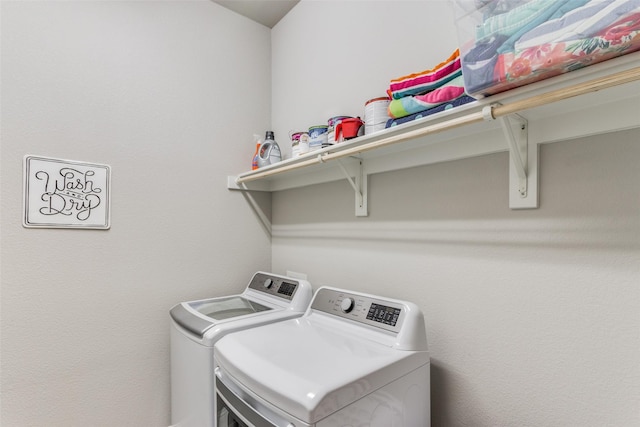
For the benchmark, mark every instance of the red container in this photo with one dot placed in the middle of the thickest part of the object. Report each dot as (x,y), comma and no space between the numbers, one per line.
(348,128)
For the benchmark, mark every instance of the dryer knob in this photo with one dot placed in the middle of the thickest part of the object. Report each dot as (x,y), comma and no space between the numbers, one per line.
(268,283)
(347,305)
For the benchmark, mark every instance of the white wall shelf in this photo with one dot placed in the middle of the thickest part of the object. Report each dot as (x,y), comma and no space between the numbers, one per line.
(594,100)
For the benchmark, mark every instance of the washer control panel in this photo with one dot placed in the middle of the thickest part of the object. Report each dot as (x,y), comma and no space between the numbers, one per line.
(367,309)
(281,287)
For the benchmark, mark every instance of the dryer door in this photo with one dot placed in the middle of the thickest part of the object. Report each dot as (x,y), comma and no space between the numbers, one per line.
(235,407)
(231,411)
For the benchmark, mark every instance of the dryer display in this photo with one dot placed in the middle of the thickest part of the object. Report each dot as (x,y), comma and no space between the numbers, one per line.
(383,314)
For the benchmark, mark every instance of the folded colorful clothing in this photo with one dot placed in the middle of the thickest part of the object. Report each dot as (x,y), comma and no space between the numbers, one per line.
(414,104)
(464,99)
(488,71)
(557,9)
(527,15)
(428,80)
(581,23)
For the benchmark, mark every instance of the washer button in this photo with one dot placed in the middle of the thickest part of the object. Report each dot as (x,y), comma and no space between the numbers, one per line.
(347,305)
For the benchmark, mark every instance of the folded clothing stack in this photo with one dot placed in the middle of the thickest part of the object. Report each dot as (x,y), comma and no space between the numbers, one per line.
(419,92)
(442,107)
(537,39)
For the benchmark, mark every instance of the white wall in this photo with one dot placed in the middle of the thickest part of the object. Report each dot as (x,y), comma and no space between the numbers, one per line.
(533,317)
(168,94)
(330,57)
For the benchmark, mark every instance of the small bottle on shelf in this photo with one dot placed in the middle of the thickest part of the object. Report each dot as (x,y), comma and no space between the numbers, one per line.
(256,155)
(269,151)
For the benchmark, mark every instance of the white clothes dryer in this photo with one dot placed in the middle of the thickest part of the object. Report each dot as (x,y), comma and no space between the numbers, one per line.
(197,325)
(353,360)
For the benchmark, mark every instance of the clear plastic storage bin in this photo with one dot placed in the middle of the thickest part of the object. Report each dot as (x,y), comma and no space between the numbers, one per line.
(509,43)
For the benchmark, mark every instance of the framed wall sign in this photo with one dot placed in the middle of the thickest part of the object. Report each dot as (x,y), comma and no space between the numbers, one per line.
(65,194)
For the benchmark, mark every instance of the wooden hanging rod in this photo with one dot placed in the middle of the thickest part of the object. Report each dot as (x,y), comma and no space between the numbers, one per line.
(594,85)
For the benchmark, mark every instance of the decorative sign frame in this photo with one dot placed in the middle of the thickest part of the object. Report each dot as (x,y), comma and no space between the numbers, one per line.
(66,194)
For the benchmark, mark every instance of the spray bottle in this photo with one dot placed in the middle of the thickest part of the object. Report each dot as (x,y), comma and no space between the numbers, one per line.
(256,155)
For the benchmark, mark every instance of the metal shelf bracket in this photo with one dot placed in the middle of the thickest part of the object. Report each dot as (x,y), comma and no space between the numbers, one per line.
(517,147)
(359,186)
(523,166)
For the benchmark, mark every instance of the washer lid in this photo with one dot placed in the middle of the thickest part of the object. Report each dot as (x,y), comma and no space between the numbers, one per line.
(267,293)
(312,366)
(225,308)
(198,316)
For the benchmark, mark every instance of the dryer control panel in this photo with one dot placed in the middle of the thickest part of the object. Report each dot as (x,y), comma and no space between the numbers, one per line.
(277,286)
(363,308)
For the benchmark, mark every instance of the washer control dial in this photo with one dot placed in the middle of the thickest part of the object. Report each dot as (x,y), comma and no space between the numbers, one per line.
(268,283)
(347,305)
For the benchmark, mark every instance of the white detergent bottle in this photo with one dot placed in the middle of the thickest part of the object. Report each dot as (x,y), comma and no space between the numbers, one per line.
(269,151)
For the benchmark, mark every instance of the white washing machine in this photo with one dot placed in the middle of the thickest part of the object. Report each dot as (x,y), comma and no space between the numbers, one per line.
(197,325)
(353,360)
